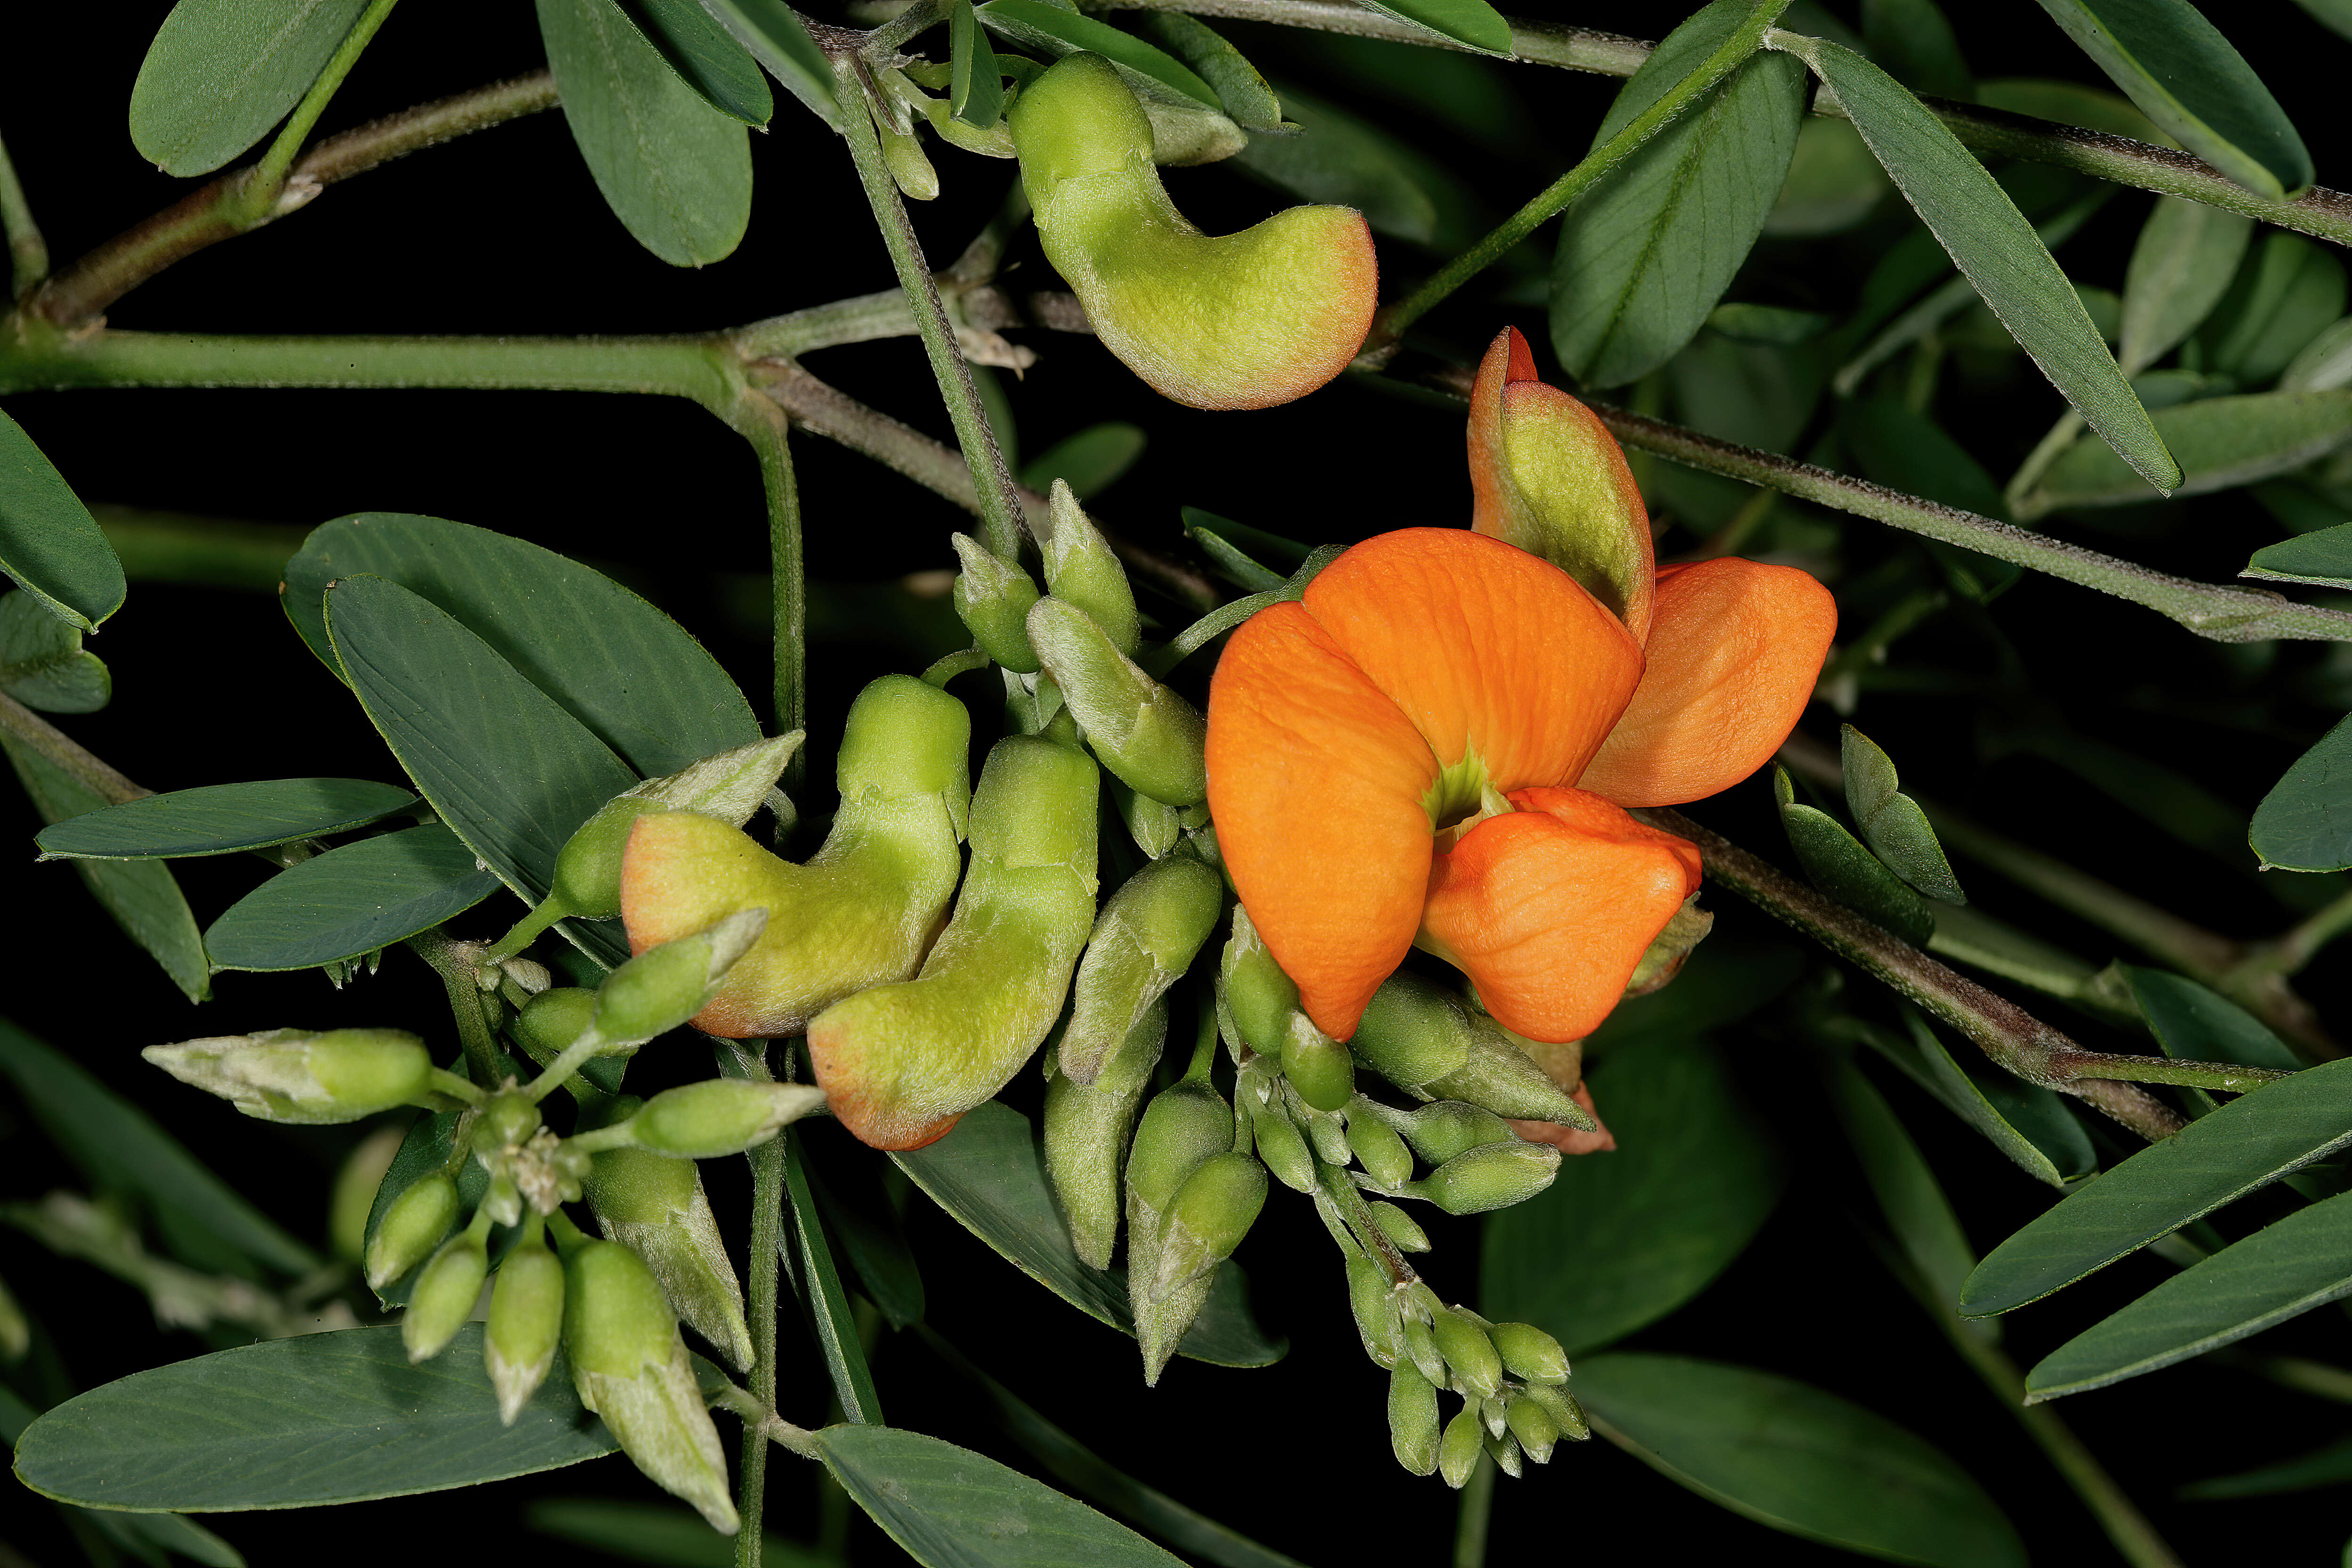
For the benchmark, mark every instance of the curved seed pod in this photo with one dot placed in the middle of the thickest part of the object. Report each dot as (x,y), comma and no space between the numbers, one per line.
(861,912)
(1145,732)
(1412,1420)
(1246,321)
(1086,1135)
(993,598)
(526,1324)
(1143,939)
(299,1076)
(1491,1176)
(901,1063)
(655,1206)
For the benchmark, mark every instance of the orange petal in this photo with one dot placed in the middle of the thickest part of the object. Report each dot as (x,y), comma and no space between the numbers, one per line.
(1547,476)
(1316,781)
(1547,908)
(1485,647)
(1734,653)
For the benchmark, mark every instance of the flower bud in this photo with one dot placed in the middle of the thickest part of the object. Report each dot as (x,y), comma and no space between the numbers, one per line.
(1325,1133)
(1457,1449)
(862,911)
(631,1368)
(508,1117)
(1316,1065)
(993,598)
(294,1075)
(1412,1420)
(1086,1135)
(1468,1353)
(1283,1148)
(1412,1031)
(552,1020)
(721,1116)
(901,1063)
(1260,996)
(1529,1353)
(1444,1128)
(1504,1451)
(526,1323)
(1505,1080)
(1207,1219)
(1561,1406)
(413,1223)
(1081,570)
(356,1184)
(446,1293)
(665,987)
(1403,1230)
(1536,1432)
(655,1206)
(1421,1349)
(728,786)
(1142,942)
(1378,1321)
(1143,731)
(1247,320)
(1491,1176)
(1184,1127)
(1385,1158)
(1154,825)
(1669,950)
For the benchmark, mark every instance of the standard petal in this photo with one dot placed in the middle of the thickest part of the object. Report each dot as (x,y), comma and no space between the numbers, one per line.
(1734,651)
(1485,648)
(1547,908)
(1316,781)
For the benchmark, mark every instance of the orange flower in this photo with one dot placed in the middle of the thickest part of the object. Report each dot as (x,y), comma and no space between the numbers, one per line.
(1436,744)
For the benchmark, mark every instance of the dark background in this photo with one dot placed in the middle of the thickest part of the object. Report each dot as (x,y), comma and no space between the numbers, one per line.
(504,232)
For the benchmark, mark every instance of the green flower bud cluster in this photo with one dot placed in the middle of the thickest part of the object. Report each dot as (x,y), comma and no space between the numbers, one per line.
(1511,1378)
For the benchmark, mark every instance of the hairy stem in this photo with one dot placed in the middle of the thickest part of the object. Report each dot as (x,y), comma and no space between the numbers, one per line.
(28,253)
(1561,191)
(2010,1035)
(456,962)
(267,178)
(764,425)
(64,753)
(767,1231)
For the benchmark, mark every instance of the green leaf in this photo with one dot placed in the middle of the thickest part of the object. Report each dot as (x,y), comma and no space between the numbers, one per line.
(1833,184)
(976,85)
(350,902)
(705,57)
(219,819)
(2325,558)
(143,899)
(168,1531)
(2197,1024)
(42,662)
(1890,822)
(1917,1210)
(1471,23)
(951,1508)
(1907,451)
(675,171)
(2072,104)
(2253,1140)
(1645,254)
(2321,364)
(321,1418)
(2305,824)
(2281,297)
(1058,32)
(2220,442)
(1092,460)
(991,1177)
(2025,1122)
(614,662)
(510,773)
(1836,863)
(2279,1272)
(879,1255)
(780,41)
(1210,535)
(2180,267)
(1346,160)
(1914,42)
(1249,102)
(221,72)
(2182,72)
(662,1534)
(49,541)
(2327,1466)
(118,1147)
(1790,1455)
(1998,250)
(1777,325)
(1692,1179)
(819,1284)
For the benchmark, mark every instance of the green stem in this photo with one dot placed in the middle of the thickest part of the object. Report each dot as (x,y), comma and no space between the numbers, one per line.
(2290,952)
(1532,43)
(1348,1202)
(455,1088)
(1474,1514)
(763,424)
(767,1233)
(590,1044)
(210,552)
(1870,647)
(454,962)
(1576,181)
(1000,507)
(29,254)
(911,23)
(948,665)
(2046,451)
(267,180)
(64,753)
(2006,1033)
(1215,623)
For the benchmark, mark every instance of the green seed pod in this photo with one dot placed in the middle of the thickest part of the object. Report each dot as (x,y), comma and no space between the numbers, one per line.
(721,1116)
(729,786)
(1412,1031)
(1412,1420)
(446,1293)
(1504,1453)
(631,1368)
(1283,1148)
(1537,1433)
(1154,825)
(1499,1076)
(1561,1406)
(1086,1135)
(1468,1352)
(902,1063)
(298,1076)
(1144,941)
(1385,1158)
(664,986)
(1529,1353)
(1082,569)
(1316,1065)
(1457,1450)
(552,1020)
(1207,1219)
(526,1323)
(1402,1231)
(1421,1349)
(655,1206)
(1143,731)
(413,1225)
(1374,1305)
(1444,1128)
(993,598)
(1491,1176)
